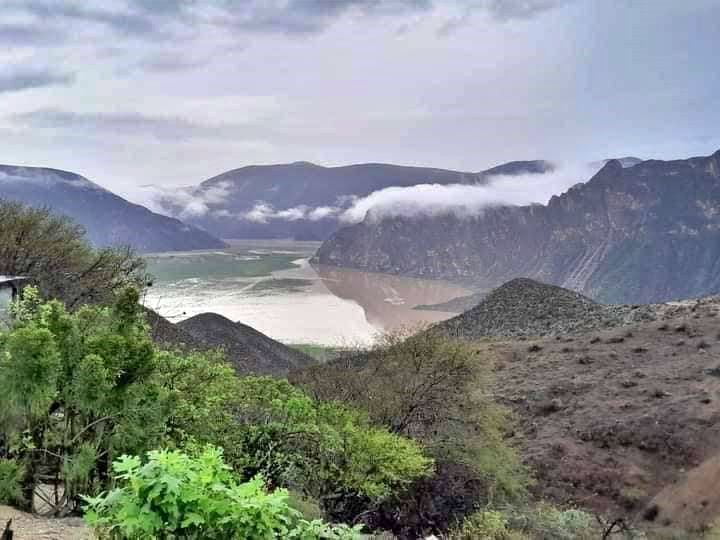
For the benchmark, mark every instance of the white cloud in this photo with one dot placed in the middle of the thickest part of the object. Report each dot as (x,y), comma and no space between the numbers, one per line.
(466,200)
(183,202)
(424,199)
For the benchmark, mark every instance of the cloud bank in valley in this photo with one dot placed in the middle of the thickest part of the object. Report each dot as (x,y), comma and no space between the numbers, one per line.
(431,200)
(466,200)
(182,202)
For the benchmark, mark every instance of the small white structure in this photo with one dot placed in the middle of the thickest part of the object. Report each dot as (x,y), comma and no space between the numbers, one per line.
(10,287)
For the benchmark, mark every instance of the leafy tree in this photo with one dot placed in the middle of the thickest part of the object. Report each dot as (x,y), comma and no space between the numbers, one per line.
(324,449)
(436,391)
(174,495)
(54,253)
(79,388)
(327,451)
(76,390)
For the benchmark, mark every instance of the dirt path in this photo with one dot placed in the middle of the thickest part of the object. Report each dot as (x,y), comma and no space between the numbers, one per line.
(28,527)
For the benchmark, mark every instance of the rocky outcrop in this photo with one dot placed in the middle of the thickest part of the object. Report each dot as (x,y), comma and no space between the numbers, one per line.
(524,307)
(640,234)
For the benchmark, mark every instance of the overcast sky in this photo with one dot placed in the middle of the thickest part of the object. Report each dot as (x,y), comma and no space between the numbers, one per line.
(175,91)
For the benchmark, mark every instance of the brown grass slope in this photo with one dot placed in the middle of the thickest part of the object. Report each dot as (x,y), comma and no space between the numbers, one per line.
(610,418)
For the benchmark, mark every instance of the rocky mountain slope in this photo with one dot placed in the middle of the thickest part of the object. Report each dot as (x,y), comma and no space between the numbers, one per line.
(247,349)
(107,218)
(524,307)
(617,420)
(290,193)
(640,234)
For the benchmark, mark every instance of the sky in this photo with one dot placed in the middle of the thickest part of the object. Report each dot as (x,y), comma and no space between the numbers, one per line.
(172,92)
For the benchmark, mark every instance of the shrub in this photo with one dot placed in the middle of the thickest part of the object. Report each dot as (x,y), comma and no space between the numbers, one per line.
(174,495)
(326,450)
(11,474)
(548,522)
(78,389)
(543,522)
(436,391)
(486,524)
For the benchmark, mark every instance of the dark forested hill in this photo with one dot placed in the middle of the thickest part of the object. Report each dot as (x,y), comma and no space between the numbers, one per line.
(107,218)
(645,233)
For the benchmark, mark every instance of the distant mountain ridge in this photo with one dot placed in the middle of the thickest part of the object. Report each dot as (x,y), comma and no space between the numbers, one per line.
(640,234)
(298,188)
(107,218)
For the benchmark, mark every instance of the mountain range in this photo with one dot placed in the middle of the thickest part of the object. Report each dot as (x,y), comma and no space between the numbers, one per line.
(302,200)
(643,233)
(107,218)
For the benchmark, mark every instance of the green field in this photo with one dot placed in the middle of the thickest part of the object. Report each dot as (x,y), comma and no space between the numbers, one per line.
(321,353)
(167,268)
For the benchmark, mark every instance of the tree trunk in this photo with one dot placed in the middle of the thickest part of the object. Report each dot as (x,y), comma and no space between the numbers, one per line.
(7,533)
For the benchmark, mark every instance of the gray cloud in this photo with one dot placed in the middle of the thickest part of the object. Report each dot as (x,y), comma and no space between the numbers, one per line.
(238,82)
(519,9)
(124,21)
(14,34)
(170,61)
(149,18)
(173,128)
(14,79)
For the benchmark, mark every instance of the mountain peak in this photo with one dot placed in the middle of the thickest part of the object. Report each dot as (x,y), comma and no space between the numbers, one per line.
(305,164)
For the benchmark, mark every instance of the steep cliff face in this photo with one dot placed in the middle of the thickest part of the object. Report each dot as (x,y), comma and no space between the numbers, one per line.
(645,233)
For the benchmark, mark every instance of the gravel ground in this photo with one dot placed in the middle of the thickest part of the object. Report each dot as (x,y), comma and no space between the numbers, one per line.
(28,527)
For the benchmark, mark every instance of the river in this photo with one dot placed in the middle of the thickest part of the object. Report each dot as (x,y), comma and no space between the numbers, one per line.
(271,286)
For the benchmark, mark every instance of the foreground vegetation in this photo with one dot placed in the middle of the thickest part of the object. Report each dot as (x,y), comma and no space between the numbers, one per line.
(148,442)
(154,443)
(173,495)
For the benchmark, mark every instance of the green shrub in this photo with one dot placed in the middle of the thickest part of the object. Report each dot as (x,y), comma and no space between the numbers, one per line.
(327,450)
(79,388)
(543,522)
(436,391)
(174,495)
(486,524)
(546,522)
(55,254)
(11,474)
